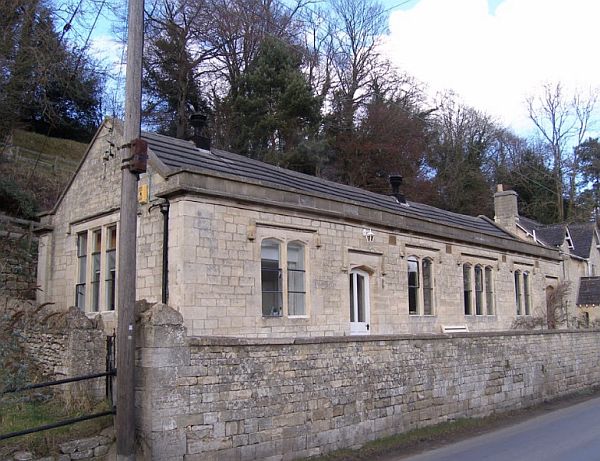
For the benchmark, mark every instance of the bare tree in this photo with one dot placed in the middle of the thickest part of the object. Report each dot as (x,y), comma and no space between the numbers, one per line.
(179,45)
(460,153)
(240,26)
(358,26)
(319,46)
(553,314)
(559,118)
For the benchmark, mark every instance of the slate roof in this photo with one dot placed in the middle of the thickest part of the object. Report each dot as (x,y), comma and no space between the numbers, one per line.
(582,235)
(528,224)
(589,291)
(552,235)
(184,155)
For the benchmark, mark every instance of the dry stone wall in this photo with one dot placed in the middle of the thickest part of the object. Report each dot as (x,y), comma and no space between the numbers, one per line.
(61,344)
(98,448)
(279,399)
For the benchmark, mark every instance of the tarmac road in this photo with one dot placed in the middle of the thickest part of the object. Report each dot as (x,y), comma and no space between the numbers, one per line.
(568,434)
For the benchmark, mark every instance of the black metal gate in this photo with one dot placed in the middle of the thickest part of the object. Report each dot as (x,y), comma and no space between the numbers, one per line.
(109,374)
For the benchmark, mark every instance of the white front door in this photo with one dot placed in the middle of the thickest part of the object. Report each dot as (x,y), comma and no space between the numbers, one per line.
(359,302)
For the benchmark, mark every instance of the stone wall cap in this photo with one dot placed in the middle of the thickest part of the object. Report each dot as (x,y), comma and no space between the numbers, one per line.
(161,314)
(238,341)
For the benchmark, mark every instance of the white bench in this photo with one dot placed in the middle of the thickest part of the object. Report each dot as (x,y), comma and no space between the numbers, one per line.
(455,329)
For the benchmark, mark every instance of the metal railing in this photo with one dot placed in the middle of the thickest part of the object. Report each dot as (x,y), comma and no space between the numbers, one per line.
(109,374)
(21,154)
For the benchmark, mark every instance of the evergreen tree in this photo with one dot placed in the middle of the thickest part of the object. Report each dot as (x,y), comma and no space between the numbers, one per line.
(274,110)
(44,82)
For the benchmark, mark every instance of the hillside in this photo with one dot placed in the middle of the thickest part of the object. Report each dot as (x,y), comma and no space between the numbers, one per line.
(33,171)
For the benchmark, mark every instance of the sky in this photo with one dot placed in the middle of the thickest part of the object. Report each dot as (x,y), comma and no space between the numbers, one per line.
(494,53)
(491,53)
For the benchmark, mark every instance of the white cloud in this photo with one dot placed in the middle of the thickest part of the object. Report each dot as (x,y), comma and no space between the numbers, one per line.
(494,61)
(109,51)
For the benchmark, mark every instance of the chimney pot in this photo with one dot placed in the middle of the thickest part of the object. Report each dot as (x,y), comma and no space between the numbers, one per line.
(396,182)
(198,121)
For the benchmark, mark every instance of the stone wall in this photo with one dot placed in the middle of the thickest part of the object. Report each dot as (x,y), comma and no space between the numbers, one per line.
(98,448)
(243,399)
(60,344)
(18,259)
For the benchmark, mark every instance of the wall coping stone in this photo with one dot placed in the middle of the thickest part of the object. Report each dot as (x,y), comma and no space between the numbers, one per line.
(235,341)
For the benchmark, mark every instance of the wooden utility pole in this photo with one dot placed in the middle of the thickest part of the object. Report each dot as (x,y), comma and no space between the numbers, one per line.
(125,420)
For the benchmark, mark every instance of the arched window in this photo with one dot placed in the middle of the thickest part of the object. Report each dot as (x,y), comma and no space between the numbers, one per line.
(489,290)
(420,286)
(526,293)
(270,277)
(413,285)
(427,287)
(518,300)
(296,286)
(478,290)
(467,289)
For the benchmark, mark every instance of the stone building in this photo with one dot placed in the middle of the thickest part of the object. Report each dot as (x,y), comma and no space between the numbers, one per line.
(579,248)
(242,248)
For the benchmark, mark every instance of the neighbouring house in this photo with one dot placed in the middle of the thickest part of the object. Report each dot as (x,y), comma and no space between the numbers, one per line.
(243,248)
(579,247)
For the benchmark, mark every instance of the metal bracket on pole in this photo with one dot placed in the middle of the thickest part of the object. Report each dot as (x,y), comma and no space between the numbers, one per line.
(138,161)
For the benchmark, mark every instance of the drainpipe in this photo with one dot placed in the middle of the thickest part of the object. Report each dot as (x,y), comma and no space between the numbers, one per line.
(164,209)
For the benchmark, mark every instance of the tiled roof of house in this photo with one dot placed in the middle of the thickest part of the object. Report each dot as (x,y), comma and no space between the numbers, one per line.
(178,154)
(582,235)
(528,224)
(552,235)
(589,291)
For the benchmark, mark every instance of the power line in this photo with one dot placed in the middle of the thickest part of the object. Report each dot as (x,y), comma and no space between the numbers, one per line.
(72,77)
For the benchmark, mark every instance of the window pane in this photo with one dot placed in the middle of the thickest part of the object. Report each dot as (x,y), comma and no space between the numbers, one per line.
(413,286)
(97,241)
(80,296)
(272,297)
(360,296)
(81,270)
(296,279)
(82,244)
(427,288)
(518,291)
(296,304)
(478,290)
(111,274)
(95,281)
(270,250)
(467,288)
(489,291)
(295,256)
(111,242)
(82,263)
(272,304)
(352,277)
(526,293)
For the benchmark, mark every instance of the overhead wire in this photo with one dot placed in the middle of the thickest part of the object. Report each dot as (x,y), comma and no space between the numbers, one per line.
(70,79)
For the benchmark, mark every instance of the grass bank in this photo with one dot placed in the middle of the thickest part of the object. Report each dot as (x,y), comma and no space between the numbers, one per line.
(18,416)
(63,148)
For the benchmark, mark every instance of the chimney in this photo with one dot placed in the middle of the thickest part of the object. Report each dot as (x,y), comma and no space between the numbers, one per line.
(198,121)
(396,182)
(505,209)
